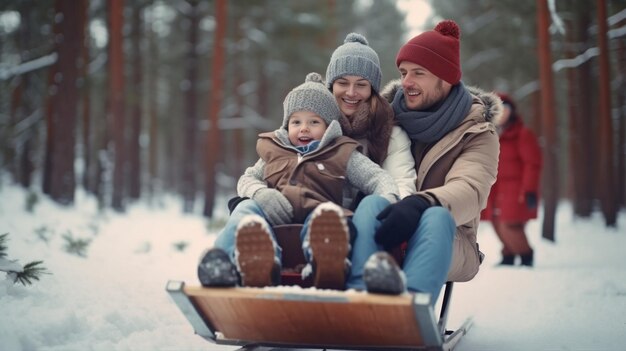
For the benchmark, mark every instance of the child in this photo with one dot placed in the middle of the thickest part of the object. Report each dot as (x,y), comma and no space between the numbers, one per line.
(299,178)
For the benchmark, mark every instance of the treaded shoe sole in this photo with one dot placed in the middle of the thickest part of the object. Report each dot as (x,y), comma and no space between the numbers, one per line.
(255,255)
(329,245)
(216,269)
(382,275)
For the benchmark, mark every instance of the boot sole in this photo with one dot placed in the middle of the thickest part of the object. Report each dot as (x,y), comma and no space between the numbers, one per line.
(255,257)
(383,276)
(329,243)
(217,270)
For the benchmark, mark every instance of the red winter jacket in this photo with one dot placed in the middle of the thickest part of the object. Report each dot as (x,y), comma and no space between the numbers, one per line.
(519,170)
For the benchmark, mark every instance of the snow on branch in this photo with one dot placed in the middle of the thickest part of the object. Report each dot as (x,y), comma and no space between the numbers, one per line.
(576,61)
(557,22)
(7,265)
(33,65)
(590,53)
(616,18)
(617,32)
(612,21)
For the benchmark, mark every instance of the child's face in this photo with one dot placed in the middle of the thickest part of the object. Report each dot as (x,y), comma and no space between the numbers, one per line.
(304,127)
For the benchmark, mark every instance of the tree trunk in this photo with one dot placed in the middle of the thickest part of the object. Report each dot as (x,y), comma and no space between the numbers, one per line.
(172,149)
(331,36)
(263,79)
(586,146)
(578,150)
(22,108)
(64,116)
(238,141)
(152,110)
(548,115)
(213,140)
(607,165)
(116,100)
(536,120)
(621,136)
(51,99)
(136,93)
(191,111)
(16,114)
(88,147)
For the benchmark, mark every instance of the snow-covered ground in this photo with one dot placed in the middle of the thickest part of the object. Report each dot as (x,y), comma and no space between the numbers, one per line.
(114,298)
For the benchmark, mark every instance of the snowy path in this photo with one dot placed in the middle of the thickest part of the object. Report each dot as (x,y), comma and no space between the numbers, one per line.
(115,299)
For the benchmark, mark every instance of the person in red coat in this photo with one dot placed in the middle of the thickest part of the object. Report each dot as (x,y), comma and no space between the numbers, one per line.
(514,197)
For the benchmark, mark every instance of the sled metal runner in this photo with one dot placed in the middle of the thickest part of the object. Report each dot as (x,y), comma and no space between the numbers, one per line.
(287,317)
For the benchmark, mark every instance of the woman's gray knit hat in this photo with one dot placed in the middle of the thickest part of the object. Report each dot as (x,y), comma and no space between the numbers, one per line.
(354,58)
(312,96)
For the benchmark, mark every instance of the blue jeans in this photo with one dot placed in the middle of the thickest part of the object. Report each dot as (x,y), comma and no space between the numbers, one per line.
(428,252)
(226,238)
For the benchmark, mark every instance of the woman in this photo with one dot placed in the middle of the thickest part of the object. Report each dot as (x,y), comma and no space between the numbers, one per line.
(354,77)
(513,198)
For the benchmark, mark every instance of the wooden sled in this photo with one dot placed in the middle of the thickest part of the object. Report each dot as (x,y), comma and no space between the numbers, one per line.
(296,317)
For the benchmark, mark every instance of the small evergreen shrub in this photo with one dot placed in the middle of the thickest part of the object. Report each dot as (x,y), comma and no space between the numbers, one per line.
(75,246)
(31,201)
(16,272)
(180,245)
(44,233)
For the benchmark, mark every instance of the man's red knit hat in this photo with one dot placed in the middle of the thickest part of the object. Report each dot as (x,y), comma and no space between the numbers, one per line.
(436,50)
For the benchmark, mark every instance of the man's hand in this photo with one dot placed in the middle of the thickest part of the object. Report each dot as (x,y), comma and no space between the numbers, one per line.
(400,220)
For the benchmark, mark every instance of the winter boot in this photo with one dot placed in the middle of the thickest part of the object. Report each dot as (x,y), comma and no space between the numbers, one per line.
(216,269)
(507,260)
(254,253)
(382,275)
(528,259)
(329,245)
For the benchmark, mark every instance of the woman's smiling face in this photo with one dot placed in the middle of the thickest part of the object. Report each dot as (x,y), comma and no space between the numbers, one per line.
(350,92)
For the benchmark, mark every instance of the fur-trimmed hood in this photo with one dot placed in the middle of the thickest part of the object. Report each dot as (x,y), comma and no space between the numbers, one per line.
(491,101)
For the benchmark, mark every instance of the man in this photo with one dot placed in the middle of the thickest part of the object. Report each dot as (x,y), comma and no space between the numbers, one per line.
(456,148)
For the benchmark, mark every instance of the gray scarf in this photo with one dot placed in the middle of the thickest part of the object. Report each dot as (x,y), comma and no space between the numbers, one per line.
(429,126)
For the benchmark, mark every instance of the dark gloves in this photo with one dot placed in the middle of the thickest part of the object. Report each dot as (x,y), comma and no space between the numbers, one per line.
(232,203)
(400,220)
(531,200)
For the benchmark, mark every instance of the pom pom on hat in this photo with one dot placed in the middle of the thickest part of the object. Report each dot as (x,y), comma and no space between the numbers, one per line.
(449,28)
(354,58)
(313,77)
(436,50)
(355,38)
(313,96)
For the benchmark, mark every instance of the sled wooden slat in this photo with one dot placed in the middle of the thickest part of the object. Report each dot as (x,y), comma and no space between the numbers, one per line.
(309,317)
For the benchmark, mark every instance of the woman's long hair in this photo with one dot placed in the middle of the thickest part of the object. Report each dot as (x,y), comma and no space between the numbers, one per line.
(381,123)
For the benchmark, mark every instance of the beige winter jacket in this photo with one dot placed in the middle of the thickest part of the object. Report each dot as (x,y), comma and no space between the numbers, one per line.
(458,172)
